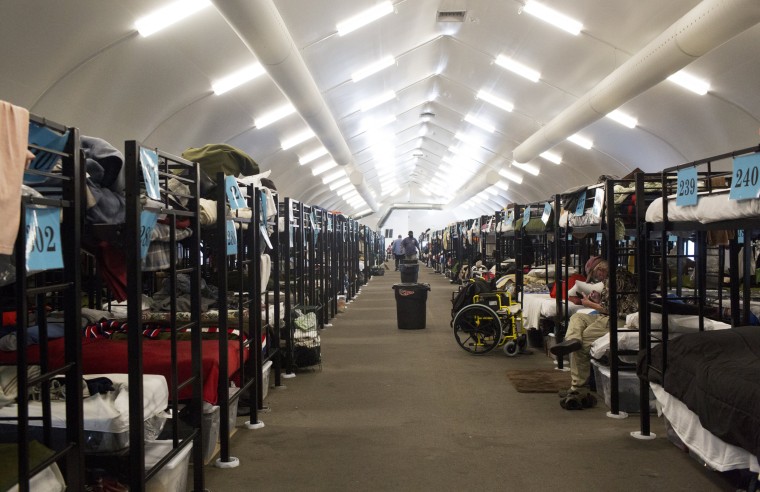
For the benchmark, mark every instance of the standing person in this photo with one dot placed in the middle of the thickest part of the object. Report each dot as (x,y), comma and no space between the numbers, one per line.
(411,246)
(398,250)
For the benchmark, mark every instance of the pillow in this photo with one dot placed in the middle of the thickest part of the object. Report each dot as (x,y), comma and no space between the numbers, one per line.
(581,287)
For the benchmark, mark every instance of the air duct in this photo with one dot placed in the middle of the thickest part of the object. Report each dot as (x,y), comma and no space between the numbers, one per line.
(259,25)
(407,206)
(705,27)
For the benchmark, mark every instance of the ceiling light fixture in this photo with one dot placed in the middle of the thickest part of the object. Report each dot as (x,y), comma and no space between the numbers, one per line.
(273,116)
(316,154)
(551,157)
(238,78)
(512,176)
(169,15)
(472,141)
(496,101)
(345,190)
(376,123)
(377,101)
(553,17)
(362,19)
(340,173)
(581,141)
(479,123)
(317,170)
(518,68)
(528,168)
(373,68)
(502,185)
(690,82)
(296,139)
(340,183)
(623,119)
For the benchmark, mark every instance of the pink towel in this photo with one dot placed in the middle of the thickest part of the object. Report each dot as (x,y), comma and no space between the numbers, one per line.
(14,157)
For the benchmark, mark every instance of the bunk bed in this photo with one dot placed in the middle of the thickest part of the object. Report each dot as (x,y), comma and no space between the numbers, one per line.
(704,381)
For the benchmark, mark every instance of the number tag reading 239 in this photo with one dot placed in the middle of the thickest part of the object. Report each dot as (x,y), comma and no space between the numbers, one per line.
(745,183)
(687,187)
(43,239)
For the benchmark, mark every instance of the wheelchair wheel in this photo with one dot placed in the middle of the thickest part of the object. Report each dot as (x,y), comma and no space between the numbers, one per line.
(511,348)
(477,328)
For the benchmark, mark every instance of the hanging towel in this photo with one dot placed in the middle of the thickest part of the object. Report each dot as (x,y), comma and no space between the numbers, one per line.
(14,157)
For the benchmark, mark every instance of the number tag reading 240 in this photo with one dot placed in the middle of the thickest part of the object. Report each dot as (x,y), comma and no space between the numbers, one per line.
(43,239)
(687,187)
(745,183)
(234,195)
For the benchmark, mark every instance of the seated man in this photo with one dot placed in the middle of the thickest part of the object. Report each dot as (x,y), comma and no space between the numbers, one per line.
(583,329)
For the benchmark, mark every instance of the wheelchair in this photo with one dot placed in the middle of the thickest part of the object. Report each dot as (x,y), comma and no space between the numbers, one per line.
(491,320)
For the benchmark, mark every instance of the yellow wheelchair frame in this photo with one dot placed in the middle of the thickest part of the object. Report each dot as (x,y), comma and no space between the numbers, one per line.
(490,322)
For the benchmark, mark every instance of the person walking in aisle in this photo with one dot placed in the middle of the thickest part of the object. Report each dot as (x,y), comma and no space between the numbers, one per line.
(398,249)
(411,246)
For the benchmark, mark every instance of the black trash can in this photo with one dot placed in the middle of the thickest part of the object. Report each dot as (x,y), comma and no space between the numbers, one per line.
(410,305)
(409,269)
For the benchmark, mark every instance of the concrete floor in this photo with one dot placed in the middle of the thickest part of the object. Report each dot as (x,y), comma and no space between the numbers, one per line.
(402,410)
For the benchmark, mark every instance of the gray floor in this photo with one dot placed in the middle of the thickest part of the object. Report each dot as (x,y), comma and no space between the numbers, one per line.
(397,410)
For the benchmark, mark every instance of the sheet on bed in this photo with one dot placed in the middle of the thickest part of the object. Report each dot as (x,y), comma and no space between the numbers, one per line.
(537,306)
(709,208)
(714,373)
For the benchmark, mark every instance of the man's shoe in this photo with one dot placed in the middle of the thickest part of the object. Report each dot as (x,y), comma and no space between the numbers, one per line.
(566,346)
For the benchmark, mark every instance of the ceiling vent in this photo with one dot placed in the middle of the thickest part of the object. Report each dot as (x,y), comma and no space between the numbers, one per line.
(427,114)
(418,154)
(451,15)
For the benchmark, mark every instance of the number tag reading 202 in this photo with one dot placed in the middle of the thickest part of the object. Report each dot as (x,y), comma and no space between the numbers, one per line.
(43,239)
(234,195)
(745,183)
(687,187)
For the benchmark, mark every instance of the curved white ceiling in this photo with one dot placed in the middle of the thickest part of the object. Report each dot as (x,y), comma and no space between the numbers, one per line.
(82,63)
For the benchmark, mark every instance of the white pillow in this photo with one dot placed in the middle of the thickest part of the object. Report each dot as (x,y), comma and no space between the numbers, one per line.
(581,288)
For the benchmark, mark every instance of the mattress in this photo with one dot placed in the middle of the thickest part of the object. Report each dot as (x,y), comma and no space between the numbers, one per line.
(106,416)
(537,306)
(716,453)
(710,208)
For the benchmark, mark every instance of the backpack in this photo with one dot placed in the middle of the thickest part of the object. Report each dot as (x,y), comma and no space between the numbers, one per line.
(467,292)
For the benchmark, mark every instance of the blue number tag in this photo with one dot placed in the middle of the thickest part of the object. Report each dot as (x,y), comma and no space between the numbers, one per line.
(580,208)
(149,164)
(231,239)
(687,187)
(43,239)
(147,223)
(234,195)
(263,200)
(596,211)
(740,236)
(547,213)
(510,218)
(745,182)
(526,215)
(313,218)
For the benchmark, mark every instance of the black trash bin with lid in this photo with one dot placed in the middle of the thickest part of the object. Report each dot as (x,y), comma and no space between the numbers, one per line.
(410,305)
(409,269)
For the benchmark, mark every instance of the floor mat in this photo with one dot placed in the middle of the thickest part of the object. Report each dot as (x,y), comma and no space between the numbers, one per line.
(539,380)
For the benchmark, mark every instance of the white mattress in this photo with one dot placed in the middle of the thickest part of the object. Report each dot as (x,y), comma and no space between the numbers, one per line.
(109,412)
(709,208)
(715,452)
(536,306)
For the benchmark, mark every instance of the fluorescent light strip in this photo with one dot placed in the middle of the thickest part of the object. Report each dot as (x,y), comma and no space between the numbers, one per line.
(317,170)
(377,101)
(345,190)
(623,118)
(339,184)
(528,168)
(316,154)
(512,176)
(297,139)
(375,123)
(469,140)
(695,85)
(238,78)
(553,17)
(583,142)
(169,15)
(362,19)
(373,68)
(518,68)
(340,173)
(273,116)
(479,123)
(496,101)
(349,195)
(551,157)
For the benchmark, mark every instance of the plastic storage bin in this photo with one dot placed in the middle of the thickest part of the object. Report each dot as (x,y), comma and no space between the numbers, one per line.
(173,476)
(210,424)
(410,270)
(265,372)
(628,389)
(410,305)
